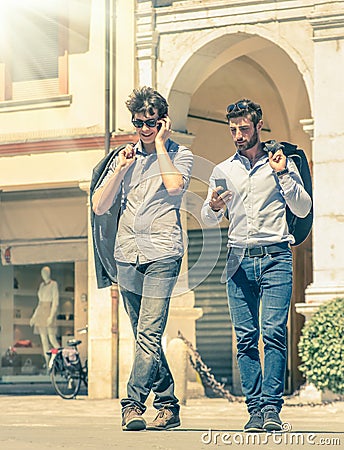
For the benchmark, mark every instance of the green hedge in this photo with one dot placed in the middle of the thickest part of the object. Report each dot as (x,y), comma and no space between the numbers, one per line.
(321,347)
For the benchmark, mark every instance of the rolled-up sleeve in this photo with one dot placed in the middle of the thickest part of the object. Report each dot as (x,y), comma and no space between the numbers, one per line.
(294,193)
(183,161)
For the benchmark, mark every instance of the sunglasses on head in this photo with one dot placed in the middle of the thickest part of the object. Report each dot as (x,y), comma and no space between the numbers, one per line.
(241,106)
(138,123)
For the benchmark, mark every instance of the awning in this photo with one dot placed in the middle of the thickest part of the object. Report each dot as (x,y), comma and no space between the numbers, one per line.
(43,226)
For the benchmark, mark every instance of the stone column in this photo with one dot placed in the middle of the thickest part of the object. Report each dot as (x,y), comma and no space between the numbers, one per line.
(80,305)
(124,62)
(328,167)
(147,40)
(328,159)
(100,364)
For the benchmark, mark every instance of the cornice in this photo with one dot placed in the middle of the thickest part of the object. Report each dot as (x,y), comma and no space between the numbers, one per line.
(63,145)
(189,15)
(327,27)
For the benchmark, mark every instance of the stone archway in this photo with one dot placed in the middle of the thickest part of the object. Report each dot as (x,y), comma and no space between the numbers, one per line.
(242,65)
(232,66)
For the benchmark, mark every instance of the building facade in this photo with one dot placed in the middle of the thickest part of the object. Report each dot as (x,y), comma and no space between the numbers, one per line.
(66,70)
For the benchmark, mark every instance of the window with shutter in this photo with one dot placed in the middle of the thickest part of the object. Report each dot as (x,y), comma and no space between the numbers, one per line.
(35,52)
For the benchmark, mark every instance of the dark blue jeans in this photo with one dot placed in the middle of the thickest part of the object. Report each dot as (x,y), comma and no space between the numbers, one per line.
(267,282)
(146,290)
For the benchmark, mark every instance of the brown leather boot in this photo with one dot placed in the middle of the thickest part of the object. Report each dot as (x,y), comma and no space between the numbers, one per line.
(132,419)
(165,419)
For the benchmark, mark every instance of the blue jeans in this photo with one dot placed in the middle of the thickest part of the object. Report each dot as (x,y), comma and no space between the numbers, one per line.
(265,280)
(146,290)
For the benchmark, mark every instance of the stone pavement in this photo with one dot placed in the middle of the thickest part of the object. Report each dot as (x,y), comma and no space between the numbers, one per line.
(49,422)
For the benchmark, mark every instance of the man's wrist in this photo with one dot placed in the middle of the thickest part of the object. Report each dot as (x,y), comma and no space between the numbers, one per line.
(160,147)
(280,173)
(215,210)
(120,169)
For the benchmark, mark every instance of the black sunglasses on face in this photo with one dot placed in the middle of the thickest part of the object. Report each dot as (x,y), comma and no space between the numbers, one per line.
(242,106)
(138,123)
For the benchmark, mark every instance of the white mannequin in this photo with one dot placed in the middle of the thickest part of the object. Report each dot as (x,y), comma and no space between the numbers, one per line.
(44,316)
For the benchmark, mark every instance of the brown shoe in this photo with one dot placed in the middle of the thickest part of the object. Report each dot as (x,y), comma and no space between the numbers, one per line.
(165,419)
(132,419)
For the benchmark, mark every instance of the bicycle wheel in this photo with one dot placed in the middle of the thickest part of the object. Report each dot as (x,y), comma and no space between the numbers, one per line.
(65,382)
(85,373)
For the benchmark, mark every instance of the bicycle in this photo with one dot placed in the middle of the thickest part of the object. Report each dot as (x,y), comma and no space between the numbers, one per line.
(66,370)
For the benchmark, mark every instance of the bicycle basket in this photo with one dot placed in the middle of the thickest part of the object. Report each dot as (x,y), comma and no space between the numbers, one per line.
(71,358)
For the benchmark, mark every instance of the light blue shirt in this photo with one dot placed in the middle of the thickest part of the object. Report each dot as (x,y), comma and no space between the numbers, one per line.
(149,227)
(257,213)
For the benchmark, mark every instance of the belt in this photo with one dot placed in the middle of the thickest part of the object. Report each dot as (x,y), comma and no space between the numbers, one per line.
(259,251)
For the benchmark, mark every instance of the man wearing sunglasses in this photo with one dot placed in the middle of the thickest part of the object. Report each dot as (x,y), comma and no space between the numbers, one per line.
(260,184)
(151,178)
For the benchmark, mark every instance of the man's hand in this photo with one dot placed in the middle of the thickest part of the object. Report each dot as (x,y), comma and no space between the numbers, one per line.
(126,157)
(219,201)
(165,130)
(278,160)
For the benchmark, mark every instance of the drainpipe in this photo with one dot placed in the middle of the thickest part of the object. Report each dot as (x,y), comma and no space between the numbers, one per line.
(107,76)
(110,63)
(114,331)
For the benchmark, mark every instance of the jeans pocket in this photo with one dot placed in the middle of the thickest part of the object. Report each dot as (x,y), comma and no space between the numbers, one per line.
(232,264)
(232,289)
(161,277)
(283,256)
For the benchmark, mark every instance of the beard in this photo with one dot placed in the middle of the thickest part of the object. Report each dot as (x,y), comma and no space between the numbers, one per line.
(251,143)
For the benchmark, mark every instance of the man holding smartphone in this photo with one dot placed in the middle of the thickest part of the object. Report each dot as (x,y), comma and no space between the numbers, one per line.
(259,264)
(151,178)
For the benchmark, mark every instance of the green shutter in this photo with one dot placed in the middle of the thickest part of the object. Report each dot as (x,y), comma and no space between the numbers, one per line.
(34,43)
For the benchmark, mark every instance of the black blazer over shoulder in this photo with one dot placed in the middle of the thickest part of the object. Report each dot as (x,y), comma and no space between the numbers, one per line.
(104,227)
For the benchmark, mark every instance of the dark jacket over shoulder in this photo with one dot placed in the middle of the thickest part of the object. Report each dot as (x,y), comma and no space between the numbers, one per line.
(104,227)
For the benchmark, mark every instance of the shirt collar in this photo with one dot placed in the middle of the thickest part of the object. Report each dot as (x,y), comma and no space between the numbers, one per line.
(139,149)
(238,155)
(170,147)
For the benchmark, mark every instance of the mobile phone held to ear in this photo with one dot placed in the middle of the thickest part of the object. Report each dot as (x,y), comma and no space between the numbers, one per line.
(159,124)
(222,183)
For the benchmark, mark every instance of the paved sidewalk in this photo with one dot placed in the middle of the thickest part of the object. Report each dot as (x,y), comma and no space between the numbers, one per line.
(49,422)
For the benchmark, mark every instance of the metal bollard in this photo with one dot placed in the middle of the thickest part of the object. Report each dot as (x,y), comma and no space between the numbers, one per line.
(177,357)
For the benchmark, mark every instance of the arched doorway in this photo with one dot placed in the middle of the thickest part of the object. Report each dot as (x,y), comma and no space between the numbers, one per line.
(218,72)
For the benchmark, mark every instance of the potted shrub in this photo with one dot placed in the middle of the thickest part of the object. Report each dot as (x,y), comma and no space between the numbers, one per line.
(321,347)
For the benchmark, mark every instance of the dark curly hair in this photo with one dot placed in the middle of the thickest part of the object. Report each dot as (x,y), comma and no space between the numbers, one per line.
(145,100)
(245,108)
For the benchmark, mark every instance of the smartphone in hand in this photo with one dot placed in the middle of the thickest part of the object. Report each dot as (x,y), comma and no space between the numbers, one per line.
(222,183)
(159,124)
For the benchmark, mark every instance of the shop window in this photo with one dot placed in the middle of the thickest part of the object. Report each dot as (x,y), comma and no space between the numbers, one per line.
(34,55)
(22,342)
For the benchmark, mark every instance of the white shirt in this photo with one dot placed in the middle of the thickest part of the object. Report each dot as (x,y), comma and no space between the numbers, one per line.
(257,214)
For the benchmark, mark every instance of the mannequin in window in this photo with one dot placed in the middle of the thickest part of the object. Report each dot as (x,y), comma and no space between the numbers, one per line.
(44,317)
